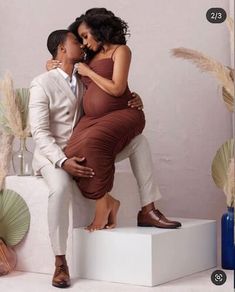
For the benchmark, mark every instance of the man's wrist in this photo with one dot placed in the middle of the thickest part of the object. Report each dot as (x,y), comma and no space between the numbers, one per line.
(63,162)
(60,162)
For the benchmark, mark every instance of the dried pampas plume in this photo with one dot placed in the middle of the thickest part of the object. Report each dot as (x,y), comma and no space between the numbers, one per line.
(5,155)
(229,187)
(223,74)
(222,170)
(13,120)
(230,25)
(11,116)
(207,64)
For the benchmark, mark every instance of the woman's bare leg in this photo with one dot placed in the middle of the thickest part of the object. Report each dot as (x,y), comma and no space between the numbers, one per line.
(112,219)
(105,213)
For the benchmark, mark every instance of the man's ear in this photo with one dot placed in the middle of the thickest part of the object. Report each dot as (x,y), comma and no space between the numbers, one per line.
(61,48)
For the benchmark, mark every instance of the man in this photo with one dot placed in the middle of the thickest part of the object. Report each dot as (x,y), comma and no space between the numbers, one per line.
(54,109)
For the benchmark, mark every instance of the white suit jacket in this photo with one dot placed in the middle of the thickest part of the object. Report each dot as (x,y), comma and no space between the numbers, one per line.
(54,110)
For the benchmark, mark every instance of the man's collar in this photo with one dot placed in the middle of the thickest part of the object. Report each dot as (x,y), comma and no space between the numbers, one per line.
(65,75)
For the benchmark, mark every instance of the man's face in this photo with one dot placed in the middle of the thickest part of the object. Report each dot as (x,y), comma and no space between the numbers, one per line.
(73,47)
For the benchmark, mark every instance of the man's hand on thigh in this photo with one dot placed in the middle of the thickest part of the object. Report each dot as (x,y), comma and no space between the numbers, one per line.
(73,166)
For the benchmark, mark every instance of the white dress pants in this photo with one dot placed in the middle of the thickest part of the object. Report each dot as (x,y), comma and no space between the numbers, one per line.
(62,187)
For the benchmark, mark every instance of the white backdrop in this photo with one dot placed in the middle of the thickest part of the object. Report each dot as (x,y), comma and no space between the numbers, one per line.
(186,118)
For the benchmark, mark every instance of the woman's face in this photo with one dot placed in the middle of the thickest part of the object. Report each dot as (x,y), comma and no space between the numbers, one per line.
(87,38)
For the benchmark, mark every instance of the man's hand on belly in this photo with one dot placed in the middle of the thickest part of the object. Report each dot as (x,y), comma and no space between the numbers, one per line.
(136,101)
(73,167)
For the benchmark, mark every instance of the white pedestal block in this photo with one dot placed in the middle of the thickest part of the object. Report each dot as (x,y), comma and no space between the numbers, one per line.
(144,256)
(34,253)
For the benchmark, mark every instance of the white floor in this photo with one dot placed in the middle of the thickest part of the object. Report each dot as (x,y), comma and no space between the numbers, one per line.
(31,282)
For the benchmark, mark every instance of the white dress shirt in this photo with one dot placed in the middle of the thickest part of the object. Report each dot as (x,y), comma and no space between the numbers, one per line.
(73,83)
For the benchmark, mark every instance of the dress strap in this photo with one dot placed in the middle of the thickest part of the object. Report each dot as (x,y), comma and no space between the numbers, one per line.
(114,51)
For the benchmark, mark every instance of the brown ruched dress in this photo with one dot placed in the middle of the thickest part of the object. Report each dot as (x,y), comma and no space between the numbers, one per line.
(106,128)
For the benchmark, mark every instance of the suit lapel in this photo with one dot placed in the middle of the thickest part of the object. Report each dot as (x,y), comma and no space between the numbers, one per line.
(64,86)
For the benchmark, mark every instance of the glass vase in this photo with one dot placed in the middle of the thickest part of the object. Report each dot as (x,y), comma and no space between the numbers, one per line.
(22,160)
(227,240)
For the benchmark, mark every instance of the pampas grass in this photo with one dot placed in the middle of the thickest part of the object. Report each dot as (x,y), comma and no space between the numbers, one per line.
(230,25)
(208,64)
(229,188)
(22,96)
(228,99)
(13,120)
(13,108)
(222,170)
(5,155)
(224,75)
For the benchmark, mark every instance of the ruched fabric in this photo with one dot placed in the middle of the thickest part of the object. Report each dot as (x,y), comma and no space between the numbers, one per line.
(106,128)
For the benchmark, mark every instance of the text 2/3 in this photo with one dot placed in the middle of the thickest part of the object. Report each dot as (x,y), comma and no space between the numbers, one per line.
(216,15)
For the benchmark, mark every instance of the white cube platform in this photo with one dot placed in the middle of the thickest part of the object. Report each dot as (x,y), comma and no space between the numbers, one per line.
(144,256)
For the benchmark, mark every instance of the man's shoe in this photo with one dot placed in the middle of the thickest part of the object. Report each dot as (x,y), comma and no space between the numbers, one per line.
(61,278)
(155,218)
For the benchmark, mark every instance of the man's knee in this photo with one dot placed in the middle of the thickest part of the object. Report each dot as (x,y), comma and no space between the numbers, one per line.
(61,190)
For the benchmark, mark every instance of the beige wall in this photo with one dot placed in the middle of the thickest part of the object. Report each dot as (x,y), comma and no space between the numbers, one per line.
(186,118)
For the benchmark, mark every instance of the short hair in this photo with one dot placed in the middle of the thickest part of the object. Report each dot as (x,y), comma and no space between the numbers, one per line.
(55,39)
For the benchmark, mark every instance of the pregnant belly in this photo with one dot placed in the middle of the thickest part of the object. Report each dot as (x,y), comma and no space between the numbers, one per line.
(96,102)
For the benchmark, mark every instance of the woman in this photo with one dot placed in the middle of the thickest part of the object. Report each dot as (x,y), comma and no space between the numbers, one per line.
(108,124)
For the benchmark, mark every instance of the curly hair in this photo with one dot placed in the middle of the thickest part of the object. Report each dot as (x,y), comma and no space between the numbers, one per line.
(104,26)
(102,10)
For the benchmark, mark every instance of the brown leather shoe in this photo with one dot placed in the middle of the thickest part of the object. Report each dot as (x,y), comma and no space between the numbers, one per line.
(155,218)
(61,278)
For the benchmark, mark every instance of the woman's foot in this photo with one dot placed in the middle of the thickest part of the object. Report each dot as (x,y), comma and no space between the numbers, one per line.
(112,219)
(104,207)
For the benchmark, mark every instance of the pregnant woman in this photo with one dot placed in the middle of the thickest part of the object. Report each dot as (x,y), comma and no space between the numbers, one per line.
(108,124)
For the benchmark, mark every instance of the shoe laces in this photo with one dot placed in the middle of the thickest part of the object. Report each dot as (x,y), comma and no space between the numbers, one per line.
(61,268)
(158,213)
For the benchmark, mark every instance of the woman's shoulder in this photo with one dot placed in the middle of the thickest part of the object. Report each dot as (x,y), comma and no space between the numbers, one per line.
(122,50)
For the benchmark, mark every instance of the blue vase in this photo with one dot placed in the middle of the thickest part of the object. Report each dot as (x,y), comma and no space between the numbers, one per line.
(227,240)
